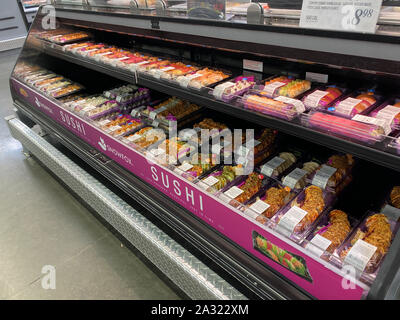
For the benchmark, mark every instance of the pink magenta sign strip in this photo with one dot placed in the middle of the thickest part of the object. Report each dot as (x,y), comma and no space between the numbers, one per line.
(285,257)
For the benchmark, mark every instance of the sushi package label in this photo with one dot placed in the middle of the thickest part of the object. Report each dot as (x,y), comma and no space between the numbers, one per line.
(346,106)
(299,105)
(259,207)
(210,181)
(322,176)
(318,245)
(384,124)
(219,90)
(388,113)
(290,220)
(185,167)
(360,254)
(233,192)
(271,88)
(313,99)
(294,177)
(271,165)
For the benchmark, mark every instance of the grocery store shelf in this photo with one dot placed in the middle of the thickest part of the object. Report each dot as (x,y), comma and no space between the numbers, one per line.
(295,128)
(184,269)
(255,278)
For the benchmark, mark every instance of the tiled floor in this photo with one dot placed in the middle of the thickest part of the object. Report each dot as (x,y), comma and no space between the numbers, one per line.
(42,224)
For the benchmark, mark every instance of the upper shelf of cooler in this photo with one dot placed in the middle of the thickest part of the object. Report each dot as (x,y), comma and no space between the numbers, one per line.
(278,34)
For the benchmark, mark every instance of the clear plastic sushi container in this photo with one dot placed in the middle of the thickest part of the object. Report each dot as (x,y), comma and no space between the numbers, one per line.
(84,51)
(262,209)
(244,189)
(280,107)
(323,97)
(297,178)
(281,164)
(285,86)
(149,69)
(204,79)
(360,102)
(171,76)
(170,151)
(114,92)
(335,174)
(66,90)
(220,179)
(125,128)
(154,108)
(197,167)
(229,90)
(81,106)
(102,110)
(74,47)
(130,97)
(319,245)
(361,128)
(366,248)
(40,79)
(146,138)
(296,223)
(389,111)
(64,39)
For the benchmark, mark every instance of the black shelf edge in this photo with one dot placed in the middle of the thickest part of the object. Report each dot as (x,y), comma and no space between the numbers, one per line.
(294,128)
(258,278)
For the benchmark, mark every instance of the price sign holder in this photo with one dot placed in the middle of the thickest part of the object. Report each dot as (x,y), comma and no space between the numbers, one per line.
(353,16)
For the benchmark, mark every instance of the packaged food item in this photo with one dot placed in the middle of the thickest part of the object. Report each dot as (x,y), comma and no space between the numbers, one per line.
(84,51)
(42,83)
(88,104)
(66,90)
(244,190)
(180,69)
(102,110)
(360,128)
(153,111)
(229,90)
(70,37)
(55,86)
(279,164)
(395,197)
(359,103)
(281,107)
(202,78)
(322,97)
(178,111)
(273,199)
(390,113)
(221,178)
(332,175)
(298,218)
(329,234)
(76,46)
(145,138)
(297,178)
(368,245)
(199,165)
(285,86)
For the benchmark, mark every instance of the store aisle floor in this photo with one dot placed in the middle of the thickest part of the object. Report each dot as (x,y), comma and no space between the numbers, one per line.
(41,224)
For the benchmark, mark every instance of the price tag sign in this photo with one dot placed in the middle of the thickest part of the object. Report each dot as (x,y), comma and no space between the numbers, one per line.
(360,254)
(346,15)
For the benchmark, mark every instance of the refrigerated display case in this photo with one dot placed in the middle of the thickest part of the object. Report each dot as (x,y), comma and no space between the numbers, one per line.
(114,80)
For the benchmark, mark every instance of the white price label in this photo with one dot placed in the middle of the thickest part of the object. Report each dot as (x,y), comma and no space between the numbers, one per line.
(351,15)
(155,123)
(253,65)
(360,254)
(210,181)
(157,152)
(318,245)
(313,99)
(103,122)
(259,206)
(322,176)
(184,82)
(271,165)
(294,177)
(388,113)
(384,124)
(185,167)
(271,88)
(299,105)
(219,90)
(290,220)
(346,106)
(233,192)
